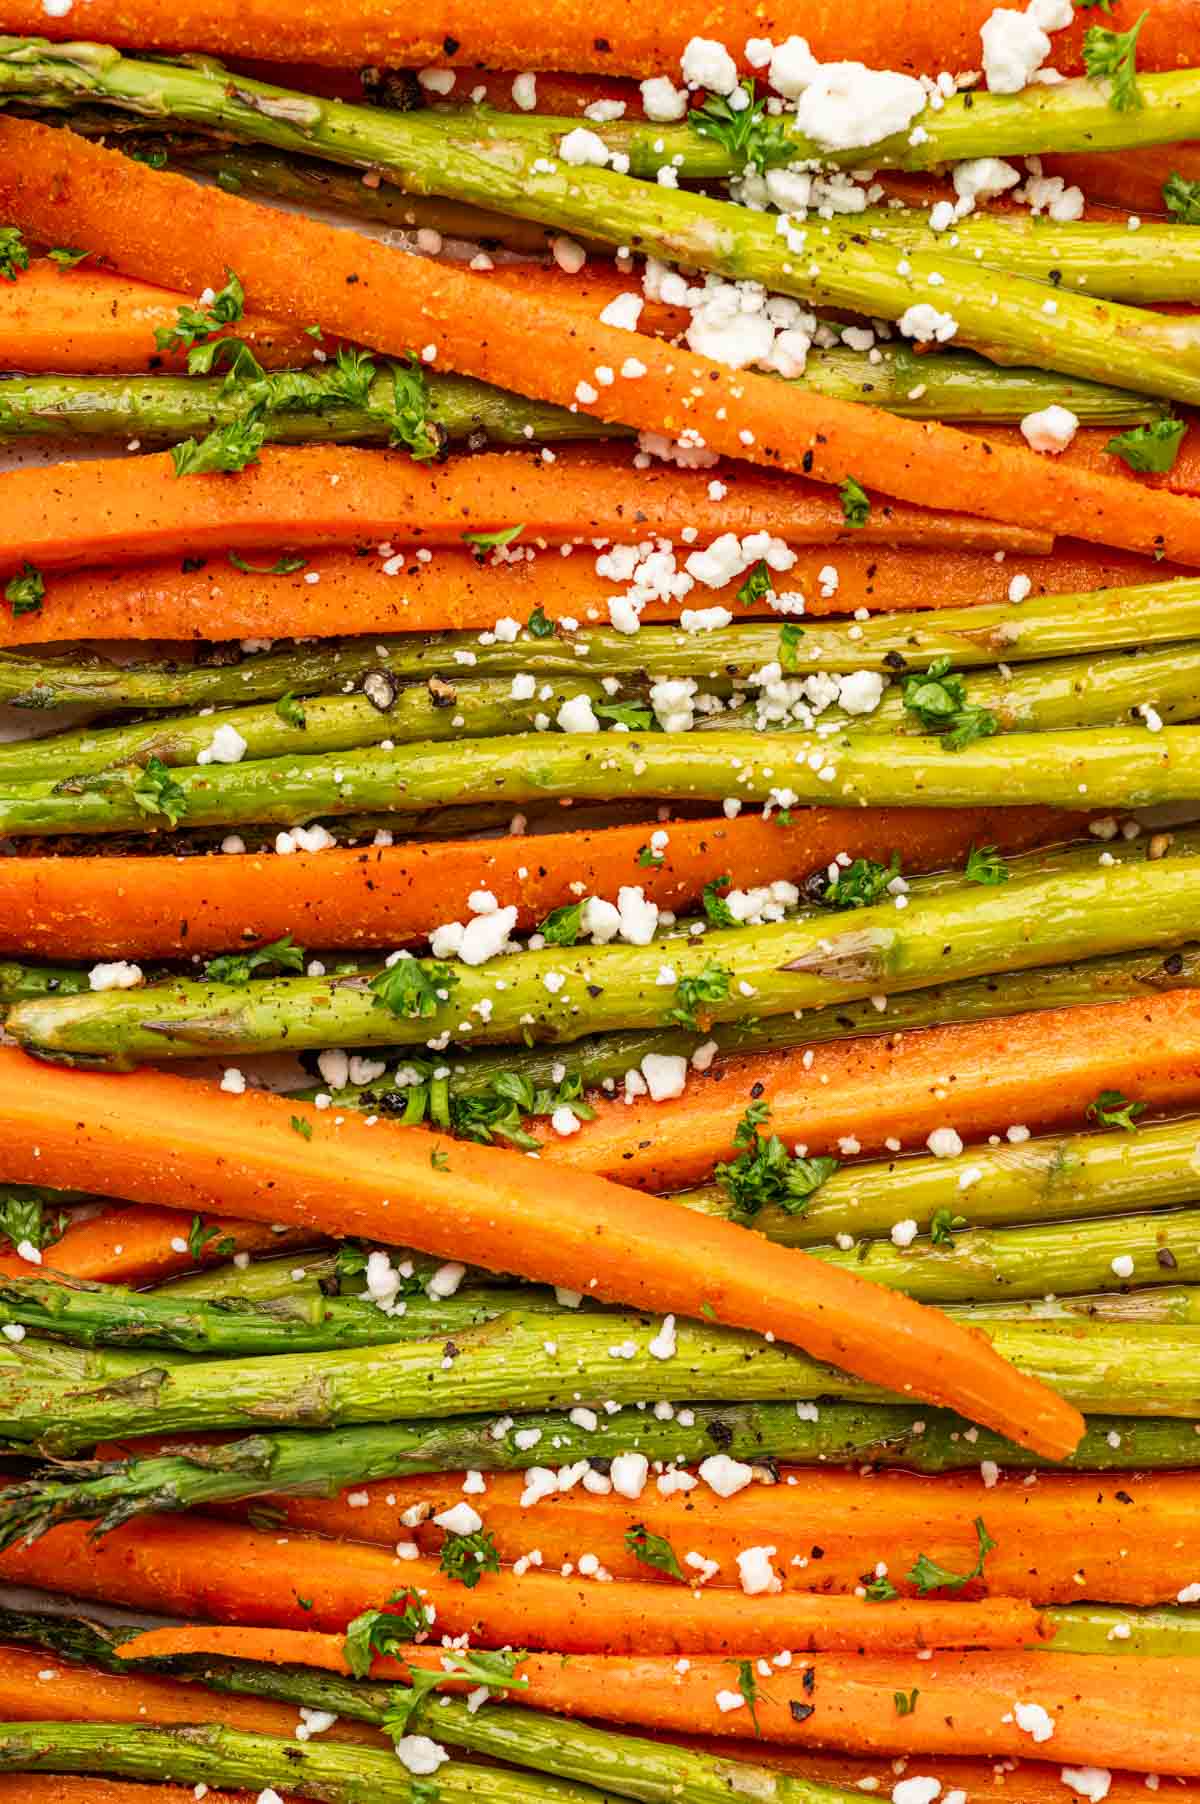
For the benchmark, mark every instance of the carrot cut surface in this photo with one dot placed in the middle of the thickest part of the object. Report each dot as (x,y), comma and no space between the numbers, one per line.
(166,229)
(147,907)
(159,1138)
(222,1570)
(1038,1070)
(1143,1715)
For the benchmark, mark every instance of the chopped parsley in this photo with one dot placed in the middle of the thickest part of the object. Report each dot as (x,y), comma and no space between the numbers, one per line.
(880,1590)
(24,1217)
(756,586)
(905,1701)
(67,258)
(467,1557)
(717,911)
(439,1159)
(1151,448)
(283,566)
(938,698)
(634,715)
(562,926)
(383,1631)
(155,791)
(539,626)
(790,636)
(765,1172)
(482,542)
(291,711)
(749,133)
(496,1671)
(749,1688)
(927,1575)
(710,984)
(26,591)
(225,450)
(943,1225)
(856,503)
(195,323)
(1112,1109)
(14,253)
(1112,56)
(499,1113)
(237,967)
(653,1550)
(649,859)
(302,1127)
(985,865)
(861,885)
(199,1237)
(413,989)
(1182,199)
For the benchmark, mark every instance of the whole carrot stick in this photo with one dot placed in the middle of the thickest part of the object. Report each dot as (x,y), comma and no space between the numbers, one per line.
(105,511)
(49,1788)
(611,40)
(164,228)
(159,1138)
(1065,1537)
(1117,1713)
(1039,1071)
(165,600)
(153,907)
(194,1565)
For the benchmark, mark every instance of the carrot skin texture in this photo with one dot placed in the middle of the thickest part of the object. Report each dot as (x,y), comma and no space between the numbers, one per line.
(1039,1070)
(1141,1715)
(1064,1537)
(159,1138)
(164,601)
(163,227)
(135,1245)
(160,907)
(238,1574)
(609,40)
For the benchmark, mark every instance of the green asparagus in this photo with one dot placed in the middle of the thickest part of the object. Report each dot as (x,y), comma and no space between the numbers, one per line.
(1127,1369)
(1107,1629)
(965,932)
(1002,313)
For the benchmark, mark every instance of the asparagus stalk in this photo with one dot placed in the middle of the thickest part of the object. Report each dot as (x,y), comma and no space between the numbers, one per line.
(204,1754)
(1167,1303)
(964,932)
(1052,626)
(164,409)
(474,708)
(470,162)
(1108,1629)
(298,1321)
(1135,1370)
(1060,694)
(291,1461)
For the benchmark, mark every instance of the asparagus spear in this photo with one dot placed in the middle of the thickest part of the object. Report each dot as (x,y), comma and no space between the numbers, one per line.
(1108,1629)
(164,409)
(204,1754)
(1129,1369)
(1166,1303)
(1052,626)
(295,1461)
(474,707)
(1002,313)
(964,932)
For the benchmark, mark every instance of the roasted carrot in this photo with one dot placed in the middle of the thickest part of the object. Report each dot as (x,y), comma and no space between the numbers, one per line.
(108,511)
(92,321)
(153,907)
(1129,179)
(164,228)
(199,1566)
(1088,451)
(1068,1536)
(1039,1070)
(53,1788)
(167,600)
(612,40)
(144,1245)
(155,1137)
(39,1687)
(1144,1715)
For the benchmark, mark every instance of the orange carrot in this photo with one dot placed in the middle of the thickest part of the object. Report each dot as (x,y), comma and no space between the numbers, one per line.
(145,1245)
(237,1574)
(165,228)
(167,600)
(1041,1070)
(91,321)
(1130,179)
(155,1137)
(108,511)
(159,907)
(1065,1537)
(1144,1715)
(1087,452)
(53,1788)
(610,39)
(39,1687)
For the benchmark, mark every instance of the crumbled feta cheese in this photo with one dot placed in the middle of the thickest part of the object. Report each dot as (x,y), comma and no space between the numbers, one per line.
(665,1074)
(460,1520)
(707,64)
(904,1232)
(757,1573)
(629,1472)
(1014,48)
(524,90)
(446,1279)
(1034,1720)
(118,976)
(846,106)
(420,1754)
(576,716)
(582,148)
(925,324)
(725,1476)
(662,100)
(1091,1782)
(1051,429)
(792,67)
(917,1790)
